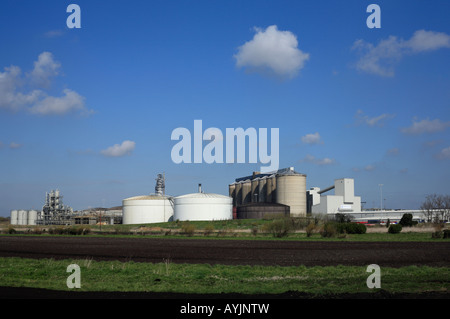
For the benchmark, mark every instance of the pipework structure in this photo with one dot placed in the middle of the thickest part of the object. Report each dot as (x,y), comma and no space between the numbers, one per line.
(54,212)
(160,188)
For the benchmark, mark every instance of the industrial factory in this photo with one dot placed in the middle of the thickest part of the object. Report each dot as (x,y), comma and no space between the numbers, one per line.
(281,193)
(54,212)
(158,207)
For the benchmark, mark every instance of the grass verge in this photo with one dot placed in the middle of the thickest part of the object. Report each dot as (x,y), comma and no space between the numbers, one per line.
(204,278)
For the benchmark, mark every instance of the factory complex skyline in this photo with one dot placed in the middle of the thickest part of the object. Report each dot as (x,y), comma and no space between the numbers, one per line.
(97,111)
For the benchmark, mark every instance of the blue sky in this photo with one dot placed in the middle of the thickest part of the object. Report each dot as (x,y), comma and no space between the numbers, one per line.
(349,101)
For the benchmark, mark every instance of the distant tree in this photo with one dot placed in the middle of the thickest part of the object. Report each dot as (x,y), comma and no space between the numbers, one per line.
(407,220)
(343,218)
(427,207)
(395,229)
(436,208)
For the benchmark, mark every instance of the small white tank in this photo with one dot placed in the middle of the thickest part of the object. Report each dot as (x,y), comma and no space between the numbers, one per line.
(13,220)
(22,217)
(32,217)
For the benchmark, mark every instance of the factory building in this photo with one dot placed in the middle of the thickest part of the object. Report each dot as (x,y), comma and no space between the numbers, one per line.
(54,212)
(285,187)
(343,200)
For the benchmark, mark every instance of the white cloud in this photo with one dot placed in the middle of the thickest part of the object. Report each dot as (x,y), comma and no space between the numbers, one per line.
(14,145)
(367,168)
(312,139)
(45,68)
(118,150)
(318,161)
(70,101)
(428,41)
(393,151)
(372,121)
(380,59)
(14,97)
(426,126)
(272,52)
(444,153)
(53,33)
(10,97)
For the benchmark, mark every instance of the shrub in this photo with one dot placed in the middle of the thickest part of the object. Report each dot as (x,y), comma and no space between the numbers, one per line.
(310,229)
(407,220)
(395,229)
(328,230)
(209,229)
(351,228)
(188,229)
(37,231)
(355,228)
(279,227)
(436,234)
(446,233)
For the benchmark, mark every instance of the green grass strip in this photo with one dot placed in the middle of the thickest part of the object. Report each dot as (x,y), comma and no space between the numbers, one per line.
(202,278)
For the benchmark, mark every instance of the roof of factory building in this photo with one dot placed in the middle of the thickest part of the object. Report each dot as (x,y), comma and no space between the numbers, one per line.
(147,197)
(283,171)
(202,195)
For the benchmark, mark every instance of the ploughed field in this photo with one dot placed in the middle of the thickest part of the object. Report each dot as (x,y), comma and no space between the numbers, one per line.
(229,252)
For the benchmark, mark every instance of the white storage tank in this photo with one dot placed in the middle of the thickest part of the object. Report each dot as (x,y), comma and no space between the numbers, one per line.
(32,217)
(22,217)
(203,206)
(13,220)
(147,209)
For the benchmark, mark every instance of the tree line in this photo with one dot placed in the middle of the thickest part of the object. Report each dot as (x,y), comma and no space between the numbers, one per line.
(436,208)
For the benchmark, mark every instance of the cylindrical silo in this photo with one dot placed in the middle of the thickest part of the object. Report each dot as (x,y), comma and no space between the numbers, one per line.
(14,214)
(269,189)
(274,188)
(32,217)
(232,192)
(246,192)
(147,209)
(262,189)
(203,206)
(22,217)
(255,190)
(291,191)
(239,193)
